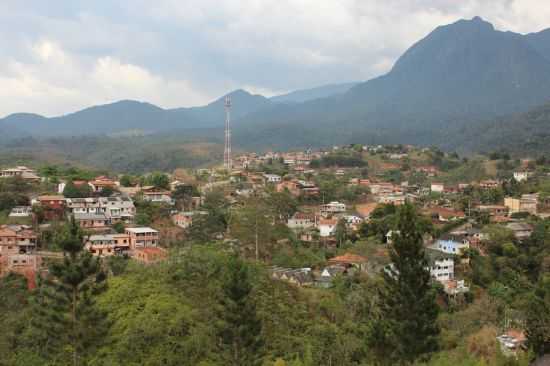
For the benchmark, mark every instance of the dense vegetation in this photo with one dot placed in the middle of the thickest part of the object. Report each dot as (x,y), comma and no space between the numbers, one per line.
(214,303)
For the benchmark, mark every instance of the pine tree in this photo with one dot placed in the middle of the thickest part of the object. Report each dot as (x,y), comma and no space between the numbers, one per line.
(406,329)
(67,317)
(241,330)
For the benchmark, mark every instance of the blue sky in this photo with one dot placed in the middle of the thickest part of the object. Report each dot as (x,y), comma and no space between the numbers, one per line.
(64,55)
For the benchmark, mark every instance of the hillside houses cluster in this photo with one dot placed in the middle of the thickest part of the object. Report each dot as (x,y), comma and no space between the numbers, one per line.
(98,215)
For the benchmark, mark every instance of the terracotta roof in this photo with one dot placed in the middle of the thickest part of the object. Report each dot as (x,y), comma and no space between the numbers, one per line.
(51,198)
(366,209)
(348,258)
(517,334)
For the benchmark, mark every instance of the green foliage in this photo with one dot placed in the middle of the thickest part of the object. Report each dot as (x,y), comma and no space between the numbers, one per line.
(73,191)
(538,318)
(240,329)
(208,227)
(406,329)
(158,180)
(67,319)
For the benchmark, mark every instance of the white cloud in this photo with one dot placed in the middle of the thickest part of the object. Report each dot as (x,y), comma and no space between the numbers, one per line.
(62,56)
(56,81)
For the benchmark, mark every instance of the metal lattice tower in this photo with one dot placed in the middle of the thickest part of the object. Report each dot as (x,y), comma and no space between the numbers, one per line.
(227,163)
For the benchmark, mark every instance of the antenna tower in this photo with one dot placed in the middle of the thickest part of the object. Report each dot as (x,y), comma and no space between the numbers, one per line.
(227,163)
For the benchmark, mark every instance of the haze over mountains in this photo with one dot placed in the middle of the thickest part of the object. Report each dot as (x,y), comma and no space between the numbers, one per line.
(456,80)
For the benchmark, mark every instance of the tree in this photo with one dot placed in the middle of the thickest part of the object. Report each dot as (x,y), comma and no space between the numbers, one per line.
(159,180)
(65,307)
(283,203)
(341,232)
(214,223)
(538,319)
(73,191)
(126,181)
(183,194)
(253,226)
(241,329)
(406,329)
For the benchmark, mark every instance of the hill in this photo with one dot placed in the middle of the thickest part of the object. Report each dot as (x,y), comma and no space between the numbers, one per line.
(456,76)
(304,95)
(443,87)
(133,117)
(523,134)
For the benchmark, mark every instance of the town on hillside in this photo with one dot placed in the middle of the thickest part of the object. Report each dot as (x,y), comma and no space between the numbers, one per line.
(313,219)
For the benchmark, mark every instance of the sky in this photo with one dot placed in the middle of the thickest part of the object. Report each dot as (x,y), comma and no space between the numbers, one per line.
(61,56)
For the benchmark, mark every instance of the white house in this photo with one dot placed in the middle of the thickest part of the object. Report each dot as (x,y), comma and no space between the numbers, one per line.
(301,221)
(272,178)
(442,265)
(521,176)
(333,208)
(451,244)
(437,187)
(327,227)
(21,211)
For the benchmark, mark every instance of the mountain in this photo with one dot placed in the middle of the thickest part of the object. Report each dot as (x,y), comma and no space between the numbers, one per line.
(441,90)
(522,134)
(132,117)
(541,42)
(304,95)
(456,76)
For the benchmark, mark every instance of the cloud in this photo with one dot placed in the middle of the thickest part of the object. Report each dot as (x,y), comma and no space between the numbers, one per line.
(61,56)
(55,79)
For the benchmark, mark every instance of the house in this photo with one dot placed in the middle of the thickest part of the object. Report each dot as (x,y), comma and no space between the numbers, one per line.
(118,209)
(443,214)
(157,196)
(328,274)
(299,277)
(92,221)
(437,187)
(308,189)
(489,184)
(353,221)
(521,230)
(455,287)
(272,178)
(21,211)
(349,260)
(441,265)
(16,239)
(102,182)
(185,219)
(396,199)
(333,208)
(452,244)
(141,237)
(493,210)
(83,205)
(53,206)
(301,221)
(527,203)
(150,255)
(327,227)
(108,245)
(26,265)
(430,171)
(522,176)
(22,172)
(511,341)
(381,188)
